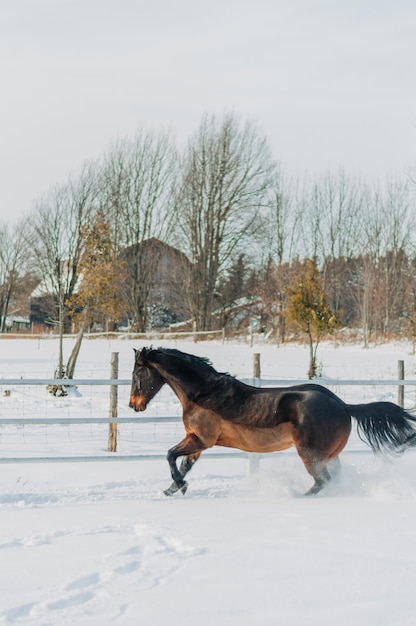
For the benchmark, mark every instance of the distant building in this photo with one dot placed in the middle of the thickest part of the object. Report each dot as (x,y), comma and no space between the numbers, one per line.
(165,269)
(16,323)
(166,272)
(44,300)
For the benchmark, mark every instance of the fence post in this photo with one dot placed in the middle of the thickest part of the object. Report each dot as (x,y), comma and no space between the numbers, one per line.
(112,427)
(400,389)
(256,367)
(253,457)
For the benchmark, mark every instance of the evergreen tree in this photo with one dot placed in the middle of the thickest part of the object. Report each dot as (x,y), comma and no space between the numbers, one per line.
(308,309)
(97,298)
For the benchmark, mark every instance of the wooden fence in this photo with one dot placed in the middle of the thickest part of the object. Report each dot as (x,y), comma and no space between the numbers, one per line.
(116,422)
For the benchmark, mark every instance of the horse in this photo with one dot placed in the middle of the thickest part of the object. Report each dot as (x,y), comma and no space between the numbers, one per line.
(219,410)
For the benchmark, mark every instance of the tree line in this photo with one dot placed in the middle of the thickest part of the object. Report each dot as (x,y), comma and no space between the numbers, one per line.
(244,226)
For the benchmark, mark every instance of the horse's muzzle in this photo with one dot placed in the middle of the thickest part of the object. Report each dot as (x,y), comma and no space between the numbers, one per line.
(138,403)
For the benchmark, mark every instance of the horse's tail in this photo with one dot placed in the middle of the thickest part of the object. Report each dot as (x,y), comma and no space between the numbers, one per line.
(385,426)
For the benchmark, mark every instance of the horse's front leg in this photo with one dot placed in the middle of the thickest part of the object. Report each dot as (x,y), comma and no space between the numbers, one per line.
(187,463)
(190,447)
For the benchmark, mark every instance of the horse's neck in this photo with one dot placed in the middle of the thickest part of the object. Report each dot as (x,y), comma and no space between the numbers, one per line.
(181,386)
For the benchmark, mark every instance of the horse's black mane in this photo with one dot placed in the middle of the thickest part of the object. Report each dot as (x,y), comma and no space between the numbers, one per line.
(200,364)
(200,361)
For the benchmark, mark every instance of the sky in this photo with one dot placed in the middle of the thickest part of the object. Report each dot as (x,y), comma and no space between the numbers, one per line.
(329,82)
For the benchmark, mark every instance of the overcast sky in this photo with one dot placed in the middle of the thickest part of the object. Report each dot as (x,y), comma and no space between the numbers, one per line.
(330,82)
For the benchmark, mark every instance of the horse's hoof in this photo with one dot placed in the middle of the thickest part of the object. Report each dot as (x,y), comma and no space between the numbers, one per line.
(316,488)
(172,489)
(175,487)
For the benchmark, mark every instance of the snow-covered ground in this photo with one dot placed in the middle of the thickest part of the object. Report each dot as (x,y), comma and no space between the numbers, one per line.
(99,543)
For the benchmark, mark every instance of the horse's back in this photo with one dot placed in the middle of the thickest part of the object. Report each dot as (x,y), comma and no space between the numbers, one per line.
(315,387)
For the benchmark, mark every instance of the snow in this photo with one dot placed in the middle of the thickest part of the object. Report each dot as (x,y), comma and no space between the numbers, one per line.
(92,543)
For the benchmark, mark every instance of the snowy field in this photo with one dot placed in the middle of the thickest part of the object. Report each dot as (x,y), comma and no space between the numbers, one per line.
(97,543)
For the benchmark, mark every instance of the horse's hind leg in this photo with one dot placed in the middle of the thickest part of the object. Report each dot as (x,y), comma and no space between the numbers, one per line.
(322,472)
(190,447)
(321,477)
(317,468)
(320,443)
(334,467)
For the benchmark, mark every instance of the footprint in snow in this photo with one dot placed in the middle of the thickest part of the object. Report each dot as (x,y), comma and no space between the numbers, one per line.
(151,556)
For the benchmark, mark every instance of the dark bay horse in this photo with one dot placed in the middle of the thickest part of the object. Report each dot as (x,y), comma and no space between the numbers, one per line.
(219,410)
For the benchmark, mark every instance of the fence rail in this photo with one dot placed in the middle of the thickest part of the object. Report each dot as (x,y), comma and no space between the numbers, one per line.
(21,421)
(260,382)
(113,457)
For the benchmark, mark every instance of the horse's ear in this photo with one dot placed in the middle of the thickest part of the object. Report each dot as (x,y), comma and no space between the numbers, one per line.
(140,356)
(142,352)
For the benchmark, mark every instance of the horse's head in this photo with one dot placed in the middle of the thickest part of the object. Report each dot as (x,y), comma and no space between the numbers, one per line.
(146,382)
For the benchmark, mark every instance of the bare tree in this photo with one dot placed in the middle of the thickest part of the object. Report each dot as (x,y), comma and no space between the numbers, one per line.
(226,173)
(12,261)
(282,227)
(138,177)
(338,207)
(56,243)
(397,209)
(385,248)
